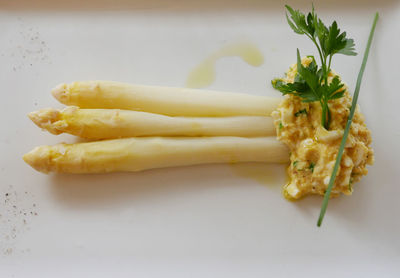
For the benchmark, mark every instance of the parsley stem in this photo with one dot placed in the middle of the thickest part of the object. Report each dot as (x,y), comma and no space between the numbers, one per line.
(319,50)
(329,116)
(329,65)
(323,115)
(347,128)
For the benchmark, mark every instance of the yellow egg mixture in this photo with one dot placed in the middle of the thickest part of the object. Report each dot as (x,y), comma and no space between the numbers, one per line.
(313,149)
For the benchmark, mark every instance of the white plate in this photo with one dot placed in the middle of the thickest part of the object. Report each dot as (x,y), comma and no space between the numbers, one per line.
(205,221)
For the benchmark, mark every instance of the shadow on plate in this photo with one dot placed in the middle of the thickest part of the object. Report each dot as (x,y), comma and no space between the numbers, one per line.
(187,6)
(353,209)
(99,190)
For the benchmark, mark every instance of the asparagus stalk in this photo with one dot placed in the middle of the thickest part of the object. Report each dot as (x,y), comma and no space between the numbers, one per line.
(137,154)
(115,123)
(163,100)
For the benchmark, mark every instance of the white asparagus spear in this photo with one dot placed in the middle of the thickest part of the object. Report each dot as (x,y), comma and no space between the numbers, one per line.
(163,100)
(115,123)
(137,154)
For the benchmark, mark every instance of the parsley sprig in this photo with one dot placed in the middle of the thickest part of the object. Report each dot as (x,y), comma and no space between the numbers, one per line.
(311,82)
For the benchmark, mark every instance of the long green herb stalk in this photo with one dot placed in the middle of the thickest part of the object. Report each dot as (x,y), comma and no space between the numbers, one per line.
(348,124)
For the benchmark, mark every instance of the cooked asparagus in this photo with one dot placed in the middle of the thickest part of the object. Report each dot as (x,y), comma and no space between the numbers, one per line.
(136,154)
(115,123)
(163,100)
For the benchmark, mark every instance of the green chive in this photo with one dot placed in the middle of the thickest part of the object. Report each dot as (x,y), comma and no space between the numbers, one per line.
(347,129)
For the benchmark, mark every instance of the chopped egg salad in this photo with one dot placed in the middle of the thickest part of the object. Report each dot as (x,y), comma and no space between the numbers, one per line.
(313,149)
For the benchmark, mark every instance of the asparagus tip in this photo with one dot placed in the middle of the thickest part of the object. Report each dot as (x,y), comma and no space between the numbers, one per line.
(45,119)
(60,92)
(38,159)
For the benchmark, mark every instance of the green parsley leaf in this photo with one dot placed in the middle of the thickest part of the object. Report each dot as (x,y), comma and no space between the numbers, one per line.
(300,23)
(300,86)
(329,41)
(300,112)
(350,184)
(311,167)
(336,42)
(290,88)
(308,74)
